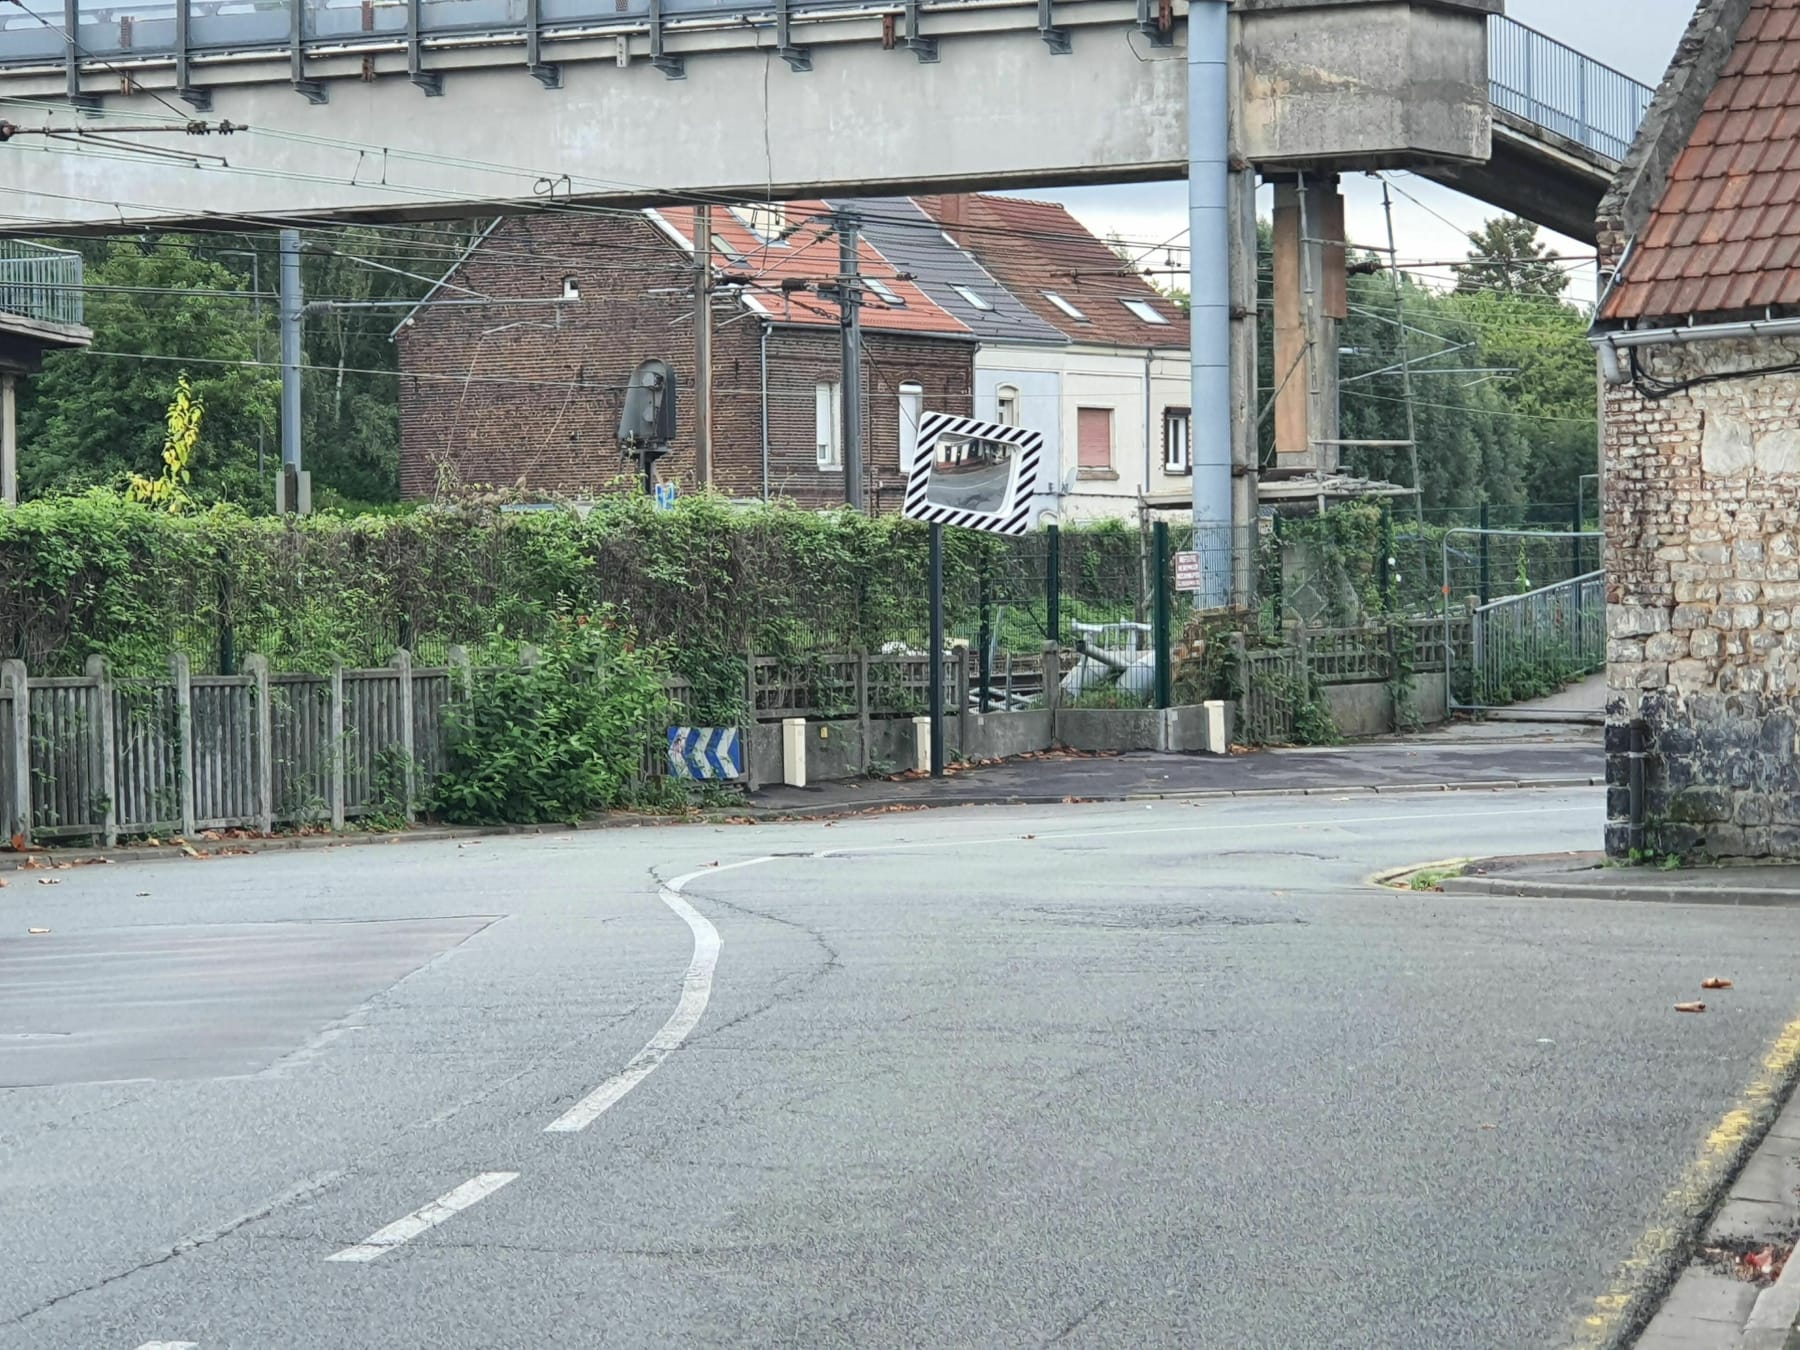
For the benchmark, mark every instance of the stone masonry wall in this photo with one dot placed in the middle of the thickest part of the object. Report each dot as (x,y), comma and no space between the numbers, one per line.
(1702,504)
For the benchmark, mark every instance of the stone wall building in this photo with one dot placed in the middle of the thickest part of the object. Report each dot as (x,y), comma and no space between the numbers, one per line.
(1699,340)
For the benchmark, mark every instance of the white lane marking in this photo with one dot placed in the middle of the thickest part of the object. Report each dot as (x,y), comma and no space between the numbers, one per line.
(1237,827)
(696,992)
(386,1239)
(170,1345)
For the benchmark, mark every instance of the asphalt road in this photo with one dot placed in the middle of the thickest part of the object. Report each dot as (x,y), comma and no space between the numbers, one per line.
(1138,1074)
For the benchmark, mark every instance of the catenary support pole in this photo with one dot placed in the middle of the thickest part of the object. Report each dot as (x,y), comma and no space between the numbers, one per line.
(290,311)
(850,327)
(1209,286)
(1245,455)
(703,346)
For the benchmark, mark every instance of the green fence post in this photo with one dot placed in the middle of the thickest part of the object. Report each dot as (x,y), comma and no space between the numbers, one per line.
(227,637)
(1484,553)
(1386,560)
(1575,543)
(985,628)
(1164,654)
(1053,584)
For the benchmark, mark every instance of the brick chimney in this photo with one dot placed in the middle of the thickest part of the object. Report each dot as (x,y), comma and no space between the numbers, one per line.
(950,215)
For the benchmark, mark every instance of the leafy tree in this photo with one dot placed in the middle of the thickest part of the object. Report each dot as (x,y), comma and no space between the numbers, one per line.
(98,417)
(1506,255)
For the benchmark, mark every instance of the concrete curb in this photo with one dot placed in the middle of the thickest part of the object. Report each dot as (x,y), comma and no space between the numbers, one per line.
(1527,889)
(49,858)
(1704,1308)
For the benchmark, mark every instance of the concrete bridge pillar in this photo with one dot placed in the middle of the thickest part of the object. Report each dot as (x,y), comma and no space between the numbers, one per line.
(1310,301)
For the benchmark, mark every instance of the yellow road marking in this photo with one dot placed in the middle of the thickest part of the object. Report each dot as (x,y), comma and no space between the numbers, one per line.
(1623,1305)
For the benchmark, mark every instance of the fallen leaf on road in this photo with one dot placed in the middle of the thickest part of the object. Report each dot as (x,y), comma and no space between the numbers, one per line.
(712,864)
(1690,1007)
(49,881)
(1486,1126)
(18,843)
(37,932)
(1028,836)
(1715,982)
(143,895)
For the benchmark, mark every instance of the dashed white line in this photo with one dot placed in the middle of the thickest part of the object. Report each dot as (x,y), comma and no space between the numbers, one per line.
(402,1230)
(696,992)
(170,1345)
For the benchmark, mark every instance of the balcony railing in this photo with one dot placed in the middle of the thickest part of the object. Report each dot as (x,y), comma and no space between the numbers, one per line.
(40,283)
(1557,88)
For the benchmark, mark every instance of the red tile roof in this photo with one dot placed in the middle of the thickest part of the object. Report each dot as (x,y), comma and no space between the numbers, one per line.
(1032,247)
(1725,237)
(810,254)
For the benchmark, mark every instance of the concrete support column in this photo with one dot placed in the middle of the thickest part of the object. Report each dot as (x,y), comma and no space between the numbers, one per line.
(1310,300)
(9,439)
(1209,286)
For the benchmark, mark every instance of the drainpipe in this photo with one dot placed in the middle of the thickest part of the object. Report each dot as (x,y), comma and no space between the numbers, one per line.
(1149,356)
(764,345)
(1209,286)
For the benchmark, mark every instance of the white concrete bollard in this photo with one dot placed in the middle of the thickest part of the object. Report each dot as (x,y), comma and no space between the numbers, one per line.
(922,744)
(1218,726)
(793,751)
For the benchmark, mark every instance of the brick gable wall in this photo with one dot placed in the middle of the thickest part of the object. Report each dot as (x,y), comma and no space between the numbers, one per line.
(530,395)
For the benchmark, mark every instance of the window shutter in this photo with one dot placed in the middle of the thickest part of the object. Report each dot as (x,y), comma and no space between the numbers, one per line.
(1093,436)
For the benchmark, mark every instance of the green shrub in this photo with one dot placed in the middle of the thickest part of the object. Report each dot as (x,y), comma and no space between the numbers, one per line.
(556,740)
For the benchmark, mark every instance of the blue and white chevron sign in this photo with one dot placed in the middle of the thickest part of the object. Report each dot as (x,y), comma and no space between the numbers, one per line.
(705,752)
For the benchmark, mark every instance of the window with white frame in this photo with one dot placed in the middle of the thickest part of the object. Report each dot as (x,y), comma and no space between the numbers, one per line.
(828,404)
(1094,442)
(1144,310)
(1006,405)
(1066,306)
(912,408)
(1178,453)
(974,297)
(766,220)
(886,292)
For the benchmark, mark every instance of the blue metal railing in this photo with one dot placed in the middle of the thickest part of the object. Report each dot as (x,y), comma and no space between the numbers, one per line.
(40,283)
(1557,88)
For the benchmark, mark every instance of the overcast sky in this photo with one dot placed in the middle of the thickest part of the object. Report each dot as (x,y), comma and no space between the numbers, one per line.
(1635,36)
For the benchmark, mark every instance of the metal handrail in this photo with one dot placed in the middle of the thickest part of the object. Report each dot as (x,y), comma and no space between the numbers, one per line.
(37,282)
(1562,90)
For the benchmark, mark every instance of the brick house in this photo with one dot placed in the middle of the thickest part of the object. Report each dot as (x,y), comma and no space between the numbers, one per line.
(1120,385)
(529,394)
(1698,333)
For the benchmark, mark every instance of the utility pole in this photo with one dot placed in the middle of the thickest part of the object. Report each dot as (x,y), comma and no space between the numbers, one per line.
(850,328)
(703,346)
(1245,456)
(291,494)
(1412,425)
